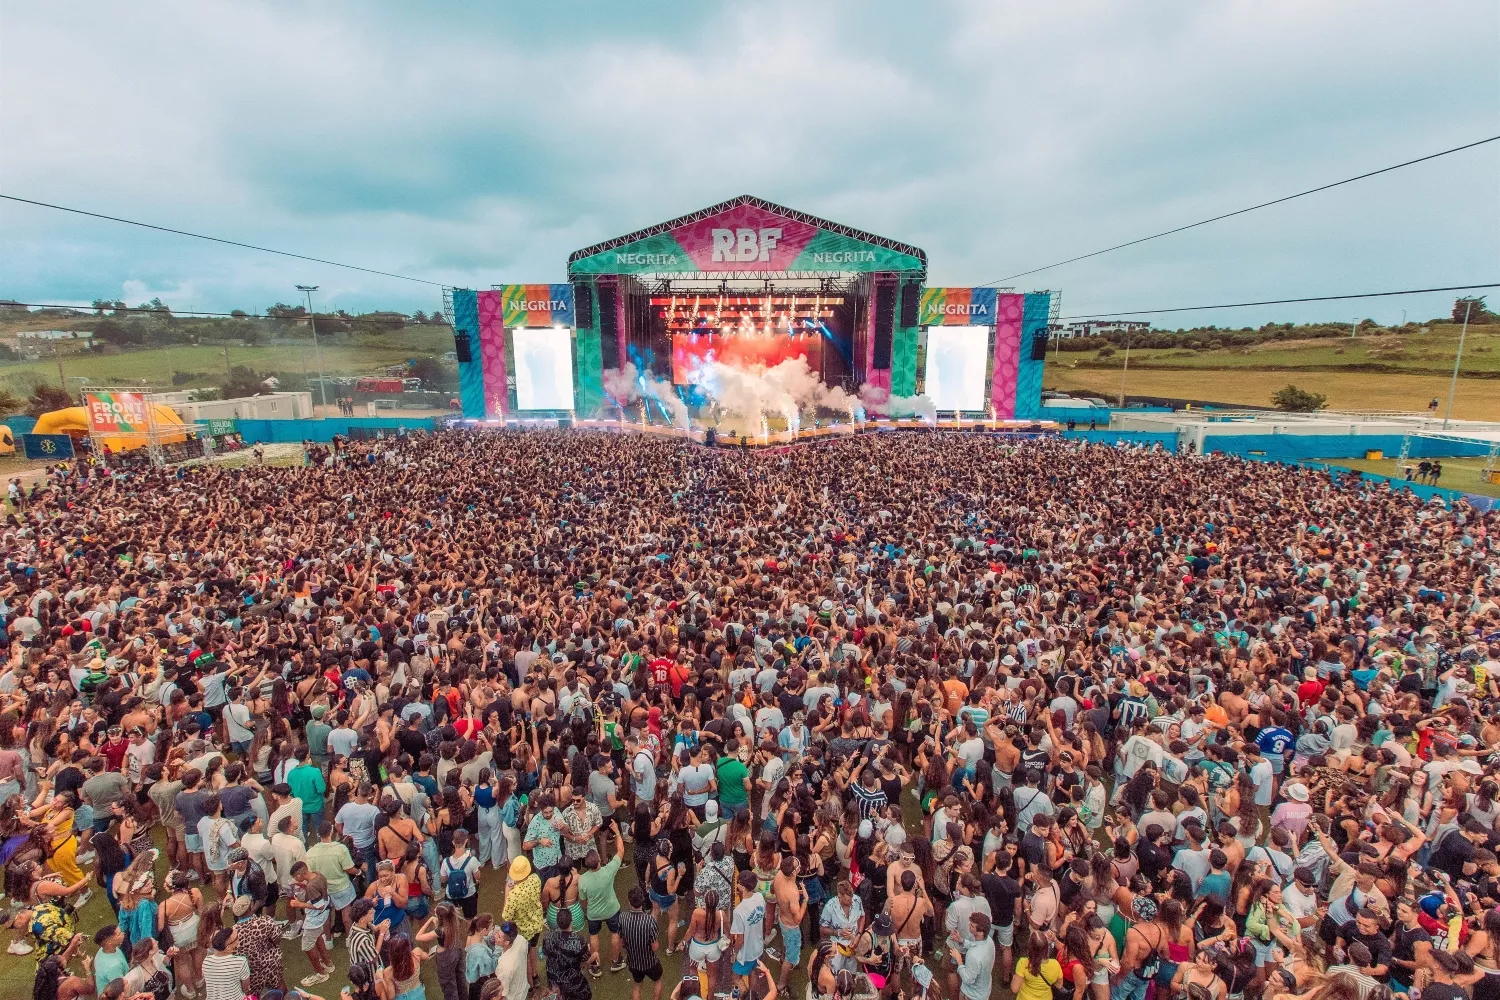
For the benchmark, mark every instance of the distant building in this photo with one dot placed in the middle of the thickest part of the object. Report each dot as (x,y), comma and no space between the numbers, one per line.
(55,335)
(267,406)
(1098,328)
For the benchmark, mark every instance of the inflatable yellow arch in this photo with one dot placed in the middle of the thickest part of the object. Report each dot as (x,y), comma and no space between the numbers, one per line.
(74,421)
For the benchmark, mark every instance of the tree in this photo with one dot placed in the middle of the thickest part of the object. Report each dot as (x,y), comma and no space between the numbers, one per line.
(1475,307)
(110,331)
(100,305)
(419,317)
(10,403)
(1295,400)
(242,381)
(283,311)
(46,398)
(239,314)
(434,375)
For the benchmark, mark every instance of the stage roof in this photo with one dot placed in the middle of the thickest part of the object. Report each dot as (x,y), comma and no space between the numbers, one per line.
(747,235)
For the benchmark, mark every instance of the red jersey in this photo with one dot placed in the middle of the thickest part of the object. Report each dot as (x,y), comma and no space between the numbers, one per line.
(661,671)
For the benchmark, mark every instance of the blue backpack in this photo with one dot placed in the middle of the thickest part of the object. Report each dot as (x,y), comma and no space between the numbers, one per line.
(458,879)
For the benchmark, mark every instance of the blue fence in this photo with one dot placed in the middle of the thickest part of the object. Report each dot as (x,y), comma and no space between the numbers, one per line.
(20,424)
(283,431)
(1302,447)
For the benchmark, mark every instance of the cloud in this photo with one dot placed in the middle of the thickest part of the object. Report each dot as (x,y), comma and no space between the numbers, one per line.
(476,144)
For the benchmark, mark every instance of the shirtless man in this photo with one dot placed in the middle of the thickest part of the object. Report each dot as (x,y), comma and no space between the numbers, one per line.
(907,907)
(1007,754)
(791,907)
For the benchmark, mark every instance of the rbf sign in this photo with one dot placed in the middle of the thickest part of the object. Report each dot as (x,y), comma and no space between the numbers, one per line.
(745,245)
(115,412)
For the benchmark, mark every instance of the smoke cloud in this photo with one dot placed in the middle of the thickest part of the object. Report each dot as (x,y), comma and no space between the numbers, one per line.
(879,400)
(748,397)
(628,384)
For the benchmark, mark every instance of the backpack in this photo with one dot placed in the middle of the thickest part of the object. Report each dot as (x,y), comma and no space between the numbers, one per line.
(457,879)
(215,845)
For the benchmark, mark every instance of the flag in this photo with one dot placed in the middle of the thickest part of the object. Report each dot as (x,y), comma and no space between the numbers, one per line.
(47,447)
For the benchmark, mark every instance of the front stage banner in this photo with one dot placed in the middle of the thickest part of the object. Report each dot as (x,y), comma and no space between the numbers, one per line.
(958,307)
(536,305)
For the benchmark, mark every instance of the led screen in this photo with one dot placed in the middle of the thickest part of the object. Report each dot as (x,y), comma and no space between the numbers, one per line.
(955,366)
(544,368)
(739,350)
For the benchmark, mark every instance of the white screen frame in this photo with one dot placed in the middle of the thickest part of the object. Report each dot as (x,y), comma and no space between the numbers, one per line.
(542,343)
(965,348)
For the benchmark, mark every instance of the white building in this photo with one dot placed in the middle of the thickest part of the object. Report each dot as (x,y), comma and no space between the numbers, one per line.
(84,335)
(1098,328)
(266,406)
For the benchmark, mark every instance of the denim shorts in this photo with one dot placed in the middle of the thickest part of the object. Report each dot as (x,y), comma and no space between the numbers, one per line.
(791,943)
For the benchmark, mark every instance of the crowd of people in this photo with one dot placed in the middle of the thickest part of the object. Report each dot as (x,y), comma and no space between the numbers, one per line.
(488,714)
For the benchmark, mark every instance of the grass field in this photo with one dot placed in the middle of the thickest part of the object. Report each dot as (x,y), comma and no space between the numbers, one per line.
(1430,353)
(1476,399)
(1458,473)
(341,355)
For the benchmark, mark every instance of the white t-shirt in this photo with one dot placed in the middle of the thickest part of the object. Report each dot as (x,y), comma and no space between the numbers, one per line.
(1261,775)
(643,771)
(773,772)
(342,741)
(750,920)
(696,781)
(237,720)
(971,751)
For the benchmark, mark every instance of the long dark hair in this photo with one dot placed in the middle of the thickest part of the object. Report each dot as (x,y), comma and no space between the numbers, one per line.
(1038,950)
(1076,941)
(361,981)
(49,976)
(399,957)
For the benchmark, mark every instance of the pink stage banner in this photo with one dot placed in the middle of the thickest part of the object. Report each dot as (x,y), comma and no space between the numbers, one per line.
(492,353)
(745,238)
(1007,365)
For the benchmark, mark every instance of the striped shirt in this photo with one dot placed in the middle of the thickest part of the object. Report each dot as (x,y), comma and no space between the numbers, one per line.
(224,977)
(871,800)
(362,948)
(638,933)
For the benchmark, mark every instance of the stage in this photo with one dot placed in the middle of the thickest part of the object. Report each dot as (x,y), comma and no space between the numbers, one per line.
(752,317)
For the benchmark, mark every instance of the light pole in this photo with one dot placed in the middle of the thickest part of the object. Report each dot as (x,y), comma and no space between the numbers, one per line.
(1125,369)
(312,321)
(1457,360)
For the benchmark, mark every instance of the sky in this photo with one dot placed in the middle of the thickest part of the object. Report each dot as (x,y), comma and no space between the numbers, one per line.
(473,144)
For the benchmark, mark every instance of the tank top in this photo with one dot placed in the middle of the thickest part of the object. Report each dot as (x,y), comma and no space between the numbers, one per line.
(404,986)
(659,875)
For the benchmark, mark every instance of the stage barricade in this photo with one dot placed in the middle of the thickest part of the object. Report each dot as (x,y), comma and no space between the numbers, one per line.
(282,431)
